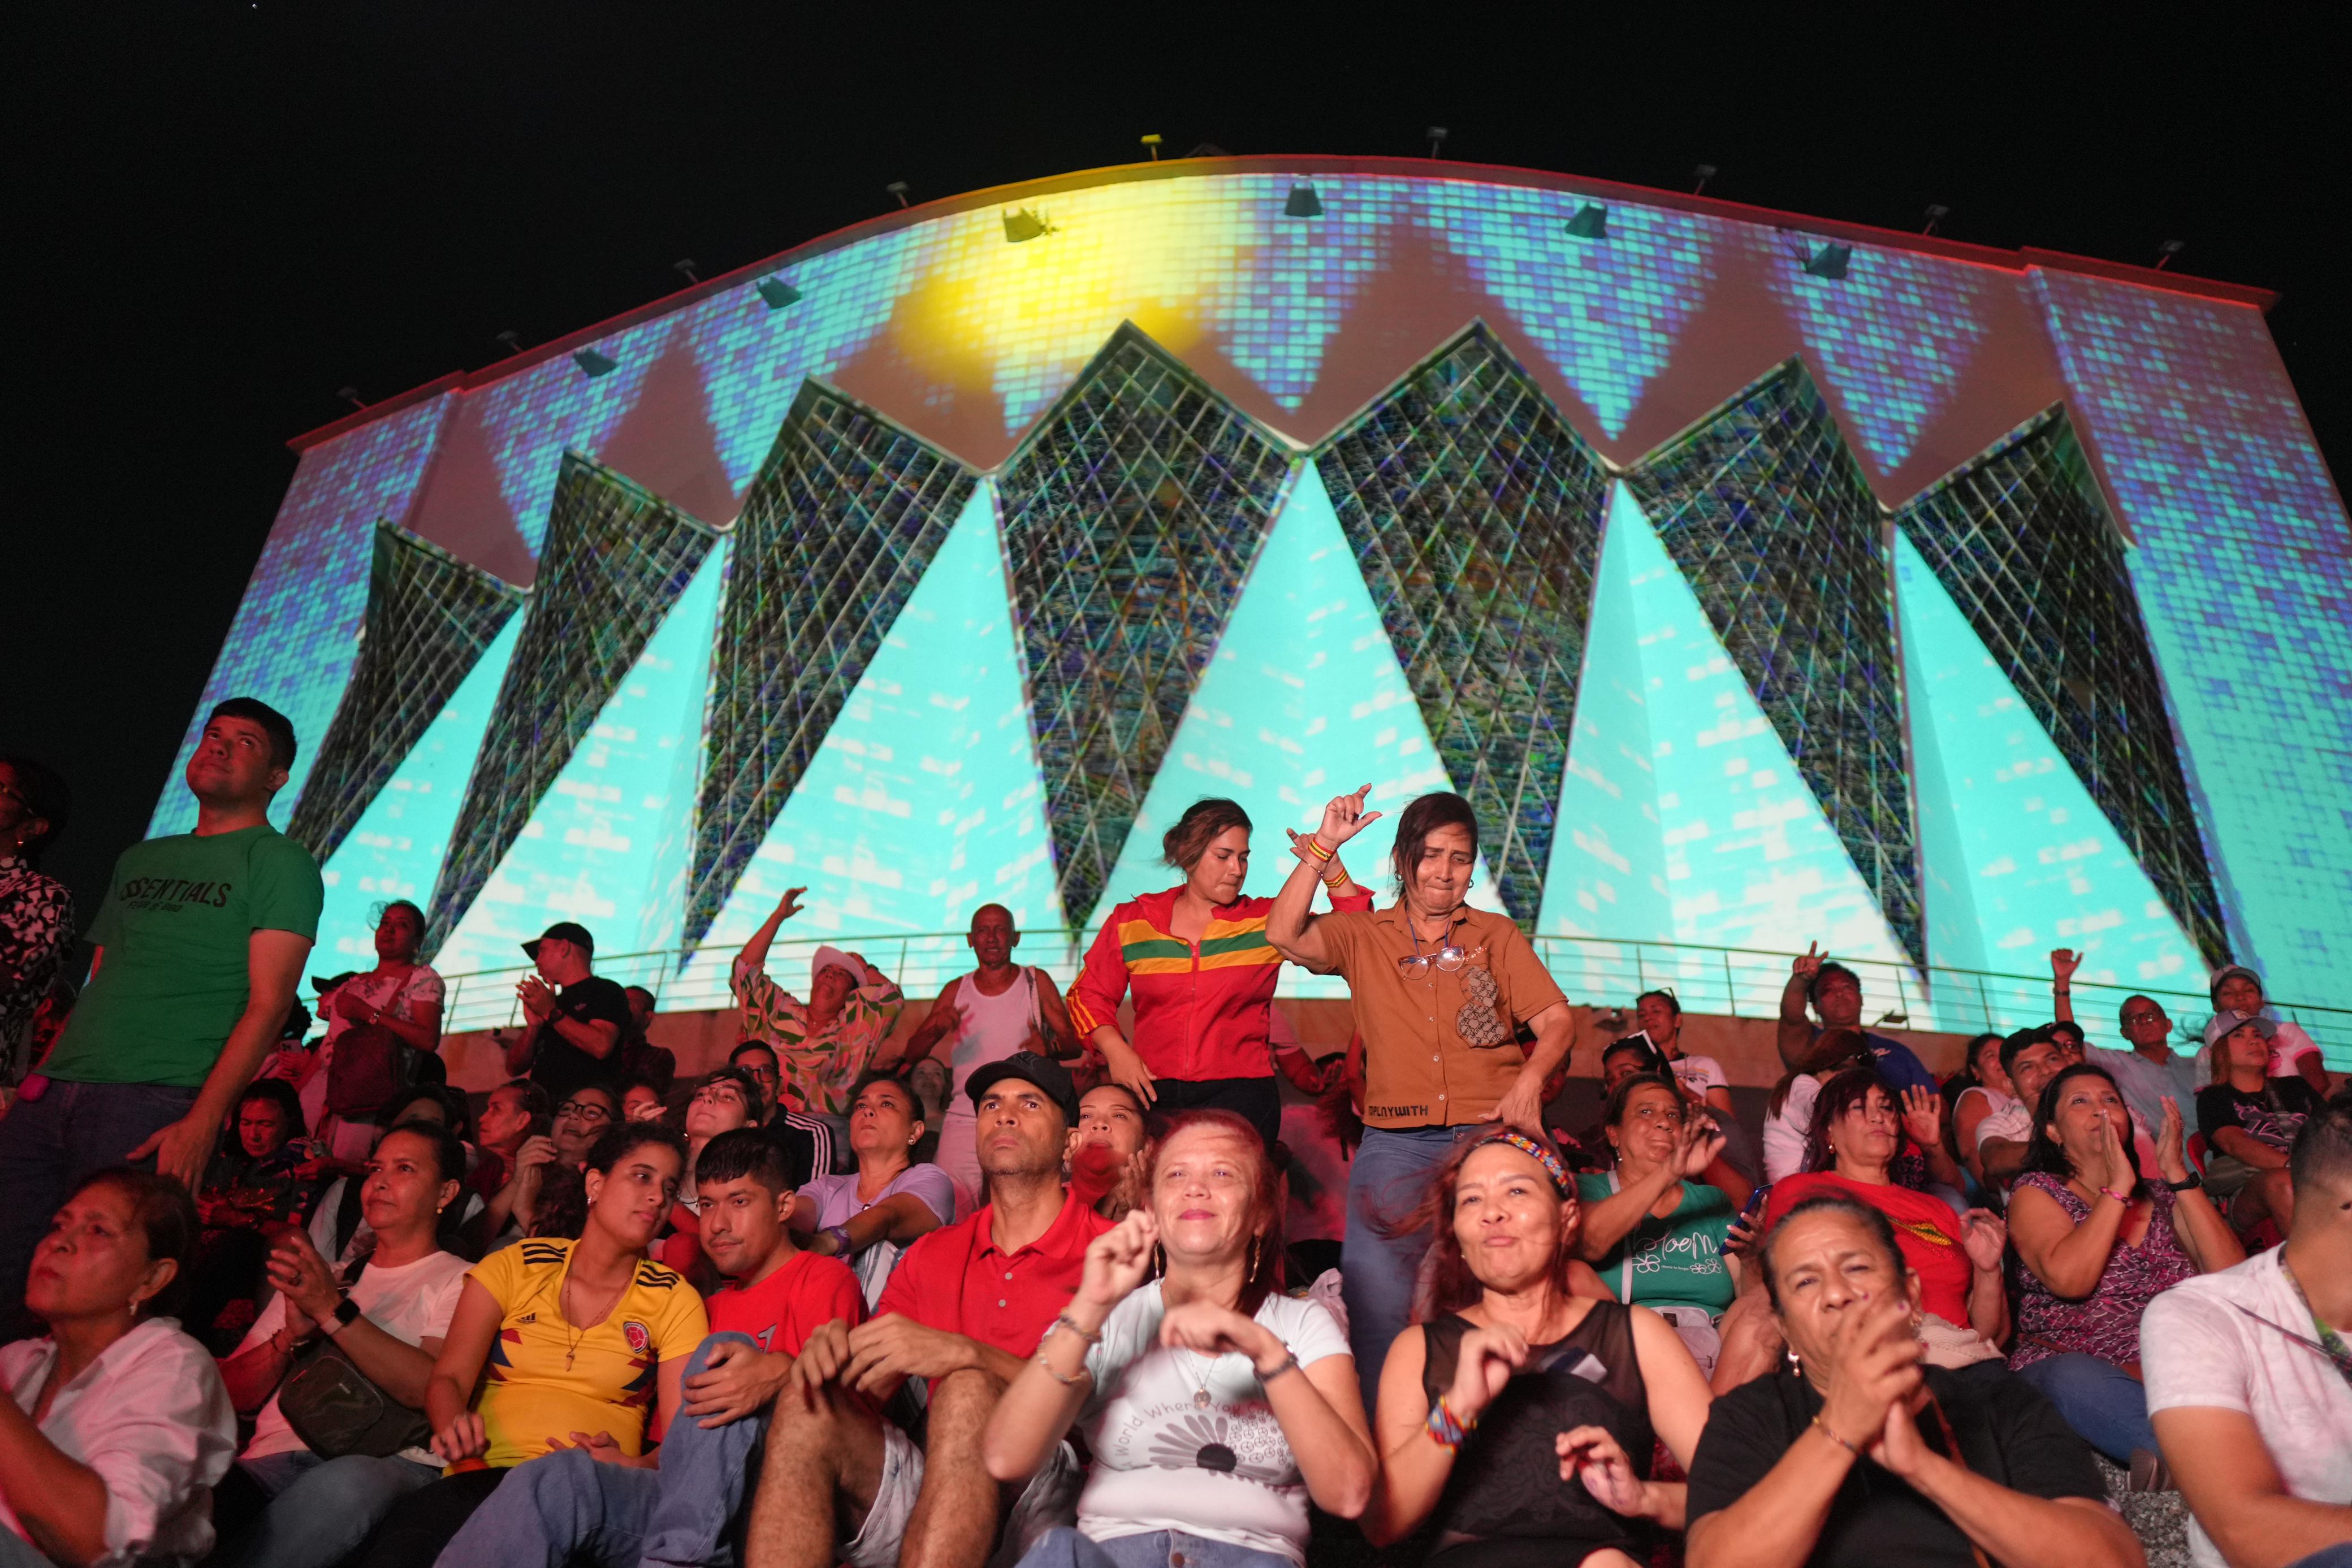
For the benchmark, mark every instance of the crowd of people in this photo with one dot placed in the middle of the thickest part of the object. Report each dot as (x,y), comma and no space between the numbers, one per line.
(1013,1285)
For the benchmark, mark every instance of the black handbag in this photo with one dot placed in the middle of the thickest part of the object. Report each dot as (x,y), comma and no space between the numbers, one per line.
(337,1409)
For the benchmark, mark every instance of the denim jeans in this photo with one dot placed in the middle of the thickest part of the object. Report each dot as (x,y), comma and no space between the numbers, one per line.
(1377,1271)
(1066,1548)
(2106,1406)
(566,1507)
(49,1144)
(319,1508)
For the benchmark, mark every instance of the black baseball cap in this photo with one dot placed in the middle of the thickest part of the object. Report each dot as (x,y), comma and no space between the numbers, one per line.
(1042,1071)
(564,931)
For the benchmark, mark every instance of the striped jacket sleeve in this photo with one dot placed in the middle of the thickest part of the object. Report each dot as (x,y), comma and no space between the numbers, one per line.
(1102,982)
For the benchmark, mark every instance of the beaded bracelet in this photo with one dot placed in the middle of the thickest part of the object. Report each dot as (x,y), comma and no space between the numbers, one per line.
(1447,1430)
(1833,1437)
(2123,1198)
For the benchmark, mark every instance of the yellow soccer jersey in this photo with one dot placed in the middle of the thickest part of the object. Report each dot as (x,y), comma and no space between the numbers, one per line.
(547,1380)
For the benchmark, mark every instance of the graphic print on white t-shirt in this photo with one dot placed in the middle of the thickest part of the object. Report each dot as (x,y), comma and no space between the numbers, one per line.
(1163,1462)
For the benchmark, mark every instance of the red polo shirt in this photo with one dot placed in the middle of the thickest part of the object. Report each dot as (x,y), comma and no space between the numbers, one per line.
(956,1279)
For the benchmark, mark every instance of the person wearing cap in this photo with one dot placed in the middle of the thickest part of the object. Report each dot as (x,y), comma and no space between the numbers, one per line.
(577,1017)
(2294,1054)
(2250,1115)
(823,1044)
(965,1308)
(200,944)
(36,912)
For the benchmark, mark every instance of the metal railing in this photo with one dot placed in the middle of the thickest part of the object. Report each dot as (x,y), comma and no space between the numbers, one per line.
(1734,982)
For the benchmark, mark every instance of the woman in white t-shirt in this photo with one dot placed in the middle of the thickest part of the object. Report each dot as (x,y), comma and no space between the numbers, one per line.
(1988,1095)
(869,1219)
(400,994)
(1216,1406)
(388,1322)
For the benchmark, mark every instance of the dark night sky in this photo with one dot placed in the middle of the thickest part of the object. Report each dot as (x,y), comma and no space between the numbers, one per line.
(222,213)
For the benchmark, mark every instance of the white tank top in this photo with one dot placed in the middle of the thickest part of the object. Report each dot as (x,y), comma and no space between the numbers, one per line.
(994,1029)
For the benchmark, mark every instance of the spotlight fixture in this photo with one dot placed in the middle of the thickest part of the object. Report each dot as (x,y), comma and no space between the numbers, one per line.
(1830,261)
(687,269)
(1152,142)
(2168,250)
(512,340)
(1936,212)
(898,189)
(594,364)
(1303,203)
(777,293)
(1704,173)
(351,396)
(1021,224)
(1592,221)
(1436,135)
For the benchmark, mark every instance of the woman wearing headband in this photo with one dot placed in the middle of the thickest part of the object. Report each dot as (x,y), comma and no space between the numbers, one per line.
(1520,1421)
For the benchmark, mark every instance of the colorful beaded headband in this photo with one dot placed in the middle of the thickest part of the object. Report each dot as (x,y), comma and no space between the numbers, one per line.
(1542,1157)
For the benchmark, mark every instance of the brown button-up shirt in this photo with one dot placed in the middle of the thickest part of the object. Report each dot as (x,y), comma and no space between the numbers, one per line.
(1438,1046)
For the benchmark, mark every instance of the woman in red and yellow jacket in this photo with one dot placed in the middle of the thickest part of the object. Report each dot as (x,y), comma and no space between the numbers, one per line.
(1202,972)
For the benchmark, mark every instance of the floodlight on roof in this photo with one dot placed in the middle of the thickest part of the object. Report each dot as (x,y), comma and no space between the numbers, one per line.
(1936,212)
(898,189)
(1437,134)
(1152,142)
(1702,173)
(687,269)
(2168,250)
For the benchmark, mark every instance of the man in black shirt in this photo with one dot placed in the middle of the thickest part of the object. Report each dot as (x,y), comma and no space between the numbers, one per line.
(576,1018)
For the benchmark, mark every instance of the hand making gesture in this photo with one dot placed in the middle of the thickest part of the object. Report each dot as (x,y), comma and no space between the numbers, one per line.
(1344,817)
(1923,1116)
(1807,963)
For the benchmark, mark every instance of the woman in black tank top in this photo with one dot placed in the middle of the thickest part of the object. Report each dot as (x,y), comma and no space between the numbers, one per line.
(1517,1426)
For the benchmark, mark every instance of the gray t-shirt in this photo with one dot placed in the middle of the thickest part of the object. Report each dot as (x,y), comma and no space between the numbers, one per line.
(837,1202)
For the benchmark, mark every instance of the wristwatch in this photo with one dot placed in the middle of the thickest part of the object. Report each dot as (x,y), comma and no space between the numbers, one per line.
(842,1245)
(2191,1184)
(346,1314)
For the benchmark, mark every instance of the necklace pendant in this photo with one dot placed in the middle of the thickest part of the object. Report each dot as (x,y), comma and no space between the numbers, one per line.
(1200,1400)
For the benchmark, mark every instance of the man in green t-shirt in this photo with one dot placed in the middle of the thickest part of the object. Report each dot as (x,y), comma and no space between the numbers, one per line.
(200,944)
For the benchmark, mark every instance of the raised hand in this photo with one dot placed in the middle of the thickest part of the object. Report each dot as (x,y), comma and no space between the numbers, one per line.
(1874,1361)
(1807,963)
(1923,1116)
(1985,1236)
(1118,1260)
(1697,1146)
(1344,817)
(2063,962)
(1590,1455)
(1483,1368)
(790,905)
(2171,1157)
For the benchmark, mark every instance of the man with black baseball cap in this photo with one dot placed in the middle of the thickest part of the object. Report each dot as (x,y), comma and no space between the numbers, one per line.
(577,1018)
(965,1307)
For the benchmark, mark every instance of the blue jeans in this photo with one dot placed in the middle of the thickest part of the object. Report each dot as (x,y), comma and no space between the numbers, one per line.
(1066,1548)
(566,1507)
(319,1508)
(1377,1271)
(2106,1406)
(49,1144)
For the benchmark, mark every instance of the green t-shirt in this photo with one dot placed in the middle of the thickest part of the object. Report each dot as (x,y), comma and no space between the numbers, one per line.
(1671,1262)
(176,927)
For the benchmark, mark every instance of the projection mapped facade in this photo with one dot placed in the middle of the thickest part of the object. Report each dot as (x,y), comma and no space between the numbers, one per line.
(1761,581)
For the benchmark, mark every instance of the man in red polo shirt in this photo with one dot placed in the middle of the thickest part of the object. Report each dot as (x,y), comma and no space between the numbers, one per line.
(965,1308)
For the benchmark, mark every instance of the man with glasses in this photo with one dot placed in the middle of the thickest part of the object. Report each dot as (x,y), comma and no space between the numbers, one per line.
(2151,1069)
(806,1142)
(577,1017)
(1440,992)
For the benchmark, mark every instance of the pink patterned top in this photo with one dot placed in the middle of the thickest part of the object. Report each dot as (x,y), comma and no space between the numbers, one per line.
(2106,1323)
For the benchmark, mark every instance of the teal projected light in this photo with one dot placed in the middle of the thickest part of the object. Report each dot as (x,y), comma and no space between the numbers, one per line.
(1303,700)
(1631,315)
(1749,859)
(394,849)
(923,802)
(2020,859)
(607,846)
